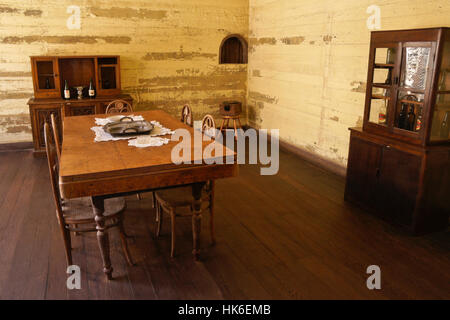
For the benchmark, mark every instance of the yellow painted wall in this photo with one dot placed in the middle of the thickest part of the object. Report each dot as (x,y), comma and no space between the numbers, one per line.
(168,48)
(308,65)
(307,59)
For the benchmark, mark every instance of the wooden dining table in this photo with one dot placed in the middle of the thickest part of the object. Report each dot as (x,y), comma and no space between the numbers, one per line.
(103,170)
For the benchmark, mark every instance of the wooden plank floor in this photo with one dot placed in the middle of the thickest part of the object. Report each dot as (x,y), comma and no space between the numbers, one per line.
(289,236)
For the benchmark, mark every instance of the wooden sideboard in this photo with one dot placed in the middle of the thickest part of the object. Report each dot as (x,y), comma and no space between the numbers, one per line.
(49,75)
(41,109)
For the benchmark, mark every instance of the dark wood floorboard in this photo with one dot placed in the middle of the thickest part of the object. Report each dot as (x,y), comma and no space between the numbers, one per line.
(289,236)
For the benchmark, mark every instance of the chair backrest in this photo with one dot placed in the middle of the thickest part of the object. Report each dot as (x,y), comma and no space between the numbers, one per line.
(186,115)
(56,136)
(209,125)
(53,167)
(208,122)
(119,106)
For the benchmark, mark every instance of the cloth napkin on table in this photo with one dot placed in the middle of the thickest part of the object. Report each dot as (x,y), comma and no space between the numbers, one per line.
(153,142)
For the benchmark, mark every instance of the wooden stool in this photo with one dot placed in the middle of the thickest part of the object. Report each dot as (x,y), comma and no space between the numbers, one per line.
(227,120)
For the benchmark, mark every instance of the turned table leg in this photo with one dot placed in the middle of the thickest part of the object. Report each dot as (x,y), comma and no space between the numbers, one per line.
(98,205)
(197,217)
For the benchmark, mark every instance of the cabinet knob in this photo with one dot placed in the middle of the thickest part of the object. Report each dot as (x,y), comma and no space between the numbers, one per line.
(388,147)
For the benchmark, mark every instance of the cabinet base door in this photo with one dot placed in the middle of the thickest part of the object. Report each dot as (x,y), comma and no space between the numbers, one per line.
(399,184)
(362,172)
(41,116)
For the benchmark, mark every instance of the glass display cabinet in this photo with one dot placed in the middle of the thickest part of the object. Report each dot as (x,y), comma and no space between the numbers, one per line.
(51,73)
(408,86)
(45,77)
(399,161)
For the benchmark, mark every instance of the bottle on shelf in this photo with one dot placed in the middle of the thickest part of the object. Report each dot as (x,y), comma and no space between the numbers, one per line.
(106,84)
(390,56)
(383,109)
(445,129)
(410,118)
(382,115)
(419,119)
(66,90)
(402,117)
(389,77)
(47,83)
(91,89)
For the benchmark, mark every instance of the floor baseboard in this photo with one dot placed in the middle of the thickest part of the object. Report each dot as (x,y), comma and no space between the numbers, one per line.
(312,157)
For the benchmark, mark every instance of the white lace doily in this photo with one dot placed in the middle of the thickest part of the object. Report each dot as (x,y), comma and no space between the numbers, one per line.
(101,135)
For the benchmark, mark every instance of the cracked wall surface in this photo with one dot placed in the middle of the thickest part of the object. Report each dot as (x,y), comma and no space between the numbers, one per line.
(168,48)
(308,65)
(307,59)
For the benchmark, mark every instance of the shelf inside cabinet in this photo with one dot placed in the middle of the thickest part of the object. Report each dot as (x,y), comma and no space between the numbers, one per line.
(378,96)
(412,91)
(420,103)
(384,65)
(381,85)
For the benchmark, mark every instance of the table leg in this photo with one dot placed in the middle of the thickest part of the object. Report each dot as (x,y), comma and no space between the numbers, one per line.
(197,217)
(98,205)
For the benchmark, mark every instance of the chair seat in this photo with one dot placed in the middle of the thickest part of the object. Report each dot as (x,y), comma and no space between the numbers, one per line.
(79,211)
(177,197)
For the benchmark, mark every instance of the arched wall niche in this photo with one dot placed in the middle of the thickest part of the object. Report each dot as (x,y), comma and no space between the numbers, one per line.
(233,49)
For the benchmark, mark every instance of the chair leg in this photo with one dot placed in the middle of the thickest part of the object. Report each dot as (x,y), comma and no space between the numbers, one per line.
(211,214)
(160,214)
(139,196)
(125,244)
(67,245)
(172,247)
(153,199)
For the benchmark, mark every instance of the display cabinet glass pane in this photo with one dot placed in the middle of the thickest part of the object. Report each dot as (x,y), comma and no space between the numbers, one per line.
(45,75)
(444,72)
(108,77)
(383,66)
(441,114)
(385,56)
(441,118)
(379,93)
(379,106)
(415,64)
(409,111)
(382,76)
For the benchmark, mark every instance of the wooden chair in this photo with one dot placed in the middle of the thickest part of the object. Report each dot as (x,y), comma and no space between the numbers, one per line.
(76,215)
(56,136)
(178,202)
(209,125)
(186,118)
(118,106)
(186,115)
